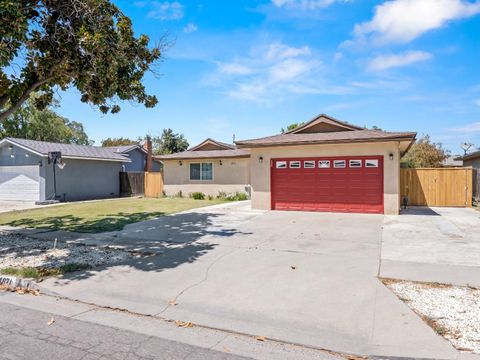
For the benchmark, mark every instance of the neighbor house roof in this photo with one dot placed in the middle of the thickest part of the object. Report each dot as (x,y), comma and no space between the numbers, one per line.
(207,149)
(69,151)
(454,160)
(324,129)
(471,156)
(123,149)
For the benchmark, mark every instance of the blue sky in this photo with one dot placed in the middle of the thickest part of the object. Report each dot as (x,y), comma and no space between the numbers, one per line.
(250,68)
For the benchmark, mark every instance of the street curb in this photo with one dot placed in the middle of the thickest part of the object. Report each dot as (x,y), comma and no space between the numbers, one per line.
(14,282)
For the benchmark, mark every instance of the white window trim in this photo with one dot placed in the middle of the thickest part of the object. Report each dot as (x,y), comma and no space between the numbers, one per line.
(201,164)
(355,167)
(295,161)
(339,167)
(309,161)
(372,166)
(283,162)
(324,167)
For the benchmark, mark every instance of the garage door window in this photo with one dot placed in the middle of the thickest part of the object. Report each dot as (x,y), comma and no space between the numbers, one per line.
(324,164)
(339,164)
(281,164)
(295,164)
(203,171)
(309,164)
(355,163)
(371,163)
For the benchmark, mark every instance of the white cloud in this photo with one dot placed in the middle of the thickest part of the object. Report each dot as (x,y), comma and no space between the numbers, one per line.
(271,72)
(190,28)
(469,128)
(384,62)
(305,4)
(401,21)
(166,10)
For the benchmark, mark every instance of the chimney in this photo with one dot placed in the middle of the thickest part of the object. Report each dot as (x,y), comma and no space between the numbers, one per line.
(148,147)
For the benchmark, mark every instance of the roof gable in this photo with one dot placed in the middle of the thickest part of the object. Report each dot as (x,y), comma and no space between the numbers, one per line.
(323,124)
(210,145)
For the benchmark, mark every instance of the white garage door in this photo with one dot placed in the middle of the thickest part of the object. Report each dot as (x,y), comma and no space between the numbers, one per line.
(19,183)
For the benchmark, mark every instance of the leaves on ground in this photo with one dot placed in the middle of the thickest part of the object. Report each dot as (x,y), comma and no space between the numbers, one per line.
(184,324)
(260,338)
(51,321)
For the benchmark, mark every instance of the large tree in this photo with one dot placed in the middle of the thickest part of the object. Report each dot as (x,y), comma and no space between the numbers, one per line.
(45,125)
(291,127)
(169,143)
(425,153)
(118,141)
(90,44)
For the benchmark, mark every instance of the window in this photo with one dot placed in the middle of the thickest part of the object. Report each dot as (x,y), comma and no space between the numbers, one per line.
(281,164)
(324,164)
(355,163)
(371,163)
(309,164)
(295,164)
(339,163)
(203,171)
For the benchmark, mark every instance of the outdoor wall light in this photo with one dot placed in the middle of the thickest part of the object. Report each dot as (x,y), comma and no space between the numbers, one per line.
(390,156)
(260,159)
(10,147)
(26,155)
(180,163)
(220,162)
(12,156)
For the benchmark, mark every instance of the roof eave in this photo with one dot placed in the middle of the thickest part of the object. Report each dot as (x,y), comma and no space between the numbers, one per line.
(203,157)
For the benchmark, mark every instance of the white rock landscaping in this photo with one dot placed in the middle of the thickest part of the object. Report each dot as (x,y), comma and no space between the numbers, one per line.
(453,311)
(17,251)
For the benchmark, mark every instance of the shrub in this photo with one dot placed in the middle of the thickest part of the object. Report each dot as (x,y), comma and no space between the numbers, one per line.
(209,197)
(197,196)
(222,195)
(179,194)
(237,196)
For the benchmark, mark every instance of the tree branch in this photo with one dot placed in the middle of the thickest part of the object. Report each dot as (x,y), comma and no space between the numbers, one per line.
(14,107)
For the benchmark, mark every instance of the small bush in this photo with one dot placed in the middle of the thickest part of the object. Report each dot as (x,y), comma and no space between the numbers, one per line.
(40,273)
(222,195)
(179,194)
(209,197)
(197,195)
(237,196)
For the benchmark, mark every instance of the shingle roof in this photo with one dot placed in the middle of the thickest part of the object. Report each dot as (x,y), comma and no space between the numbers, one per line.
(69,150)
(327,137)
(470,156)
(205,154)
(122,149)
(212,141)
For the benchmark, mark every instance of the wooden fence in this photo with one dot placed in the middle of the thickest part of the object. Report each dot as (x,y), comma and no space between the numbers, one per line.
(476,185)
(153,184)
(437,187)
(132,183)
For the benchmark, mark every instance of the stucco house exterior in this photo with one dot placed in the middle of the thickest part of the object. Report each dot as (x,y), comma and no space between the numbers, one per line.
(209,167)
(471,160)
(90,172)
(324,165)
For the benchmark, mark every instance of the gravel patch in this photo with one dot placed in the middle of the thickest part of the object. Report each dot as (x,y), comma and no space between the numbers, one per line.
(19,251)
(453,311)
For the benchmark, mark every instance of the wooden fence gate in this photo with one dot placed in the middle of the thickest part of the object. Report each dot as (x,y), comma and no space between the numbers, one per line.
(132,183)
(437,186)
(153,184)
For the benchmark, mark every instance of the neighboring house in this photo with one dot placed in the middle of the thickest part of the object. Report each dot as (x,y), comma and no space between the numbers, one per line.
(138,156)
(90,172)
(210,167)
(453,161)
(323,165)
(471,160)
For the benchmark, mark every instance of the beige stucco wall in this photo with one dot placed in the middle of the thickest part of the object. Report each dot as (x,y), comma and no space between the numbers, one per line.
(260,172)
(232,176)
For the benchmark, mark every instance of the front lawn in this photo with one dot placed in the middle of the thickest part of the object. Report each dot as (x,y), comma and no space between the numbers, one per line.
(100,216)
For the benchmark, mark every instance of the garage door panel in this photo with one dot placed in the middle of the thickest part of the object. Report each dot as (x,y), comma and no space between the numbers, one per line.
(19,183)
(342,189)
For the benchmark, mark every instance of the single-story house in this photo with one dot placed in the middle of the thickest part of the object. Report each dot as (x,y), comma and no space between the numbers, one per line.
(210,167)
(471,160)
(324,165)
(85,172)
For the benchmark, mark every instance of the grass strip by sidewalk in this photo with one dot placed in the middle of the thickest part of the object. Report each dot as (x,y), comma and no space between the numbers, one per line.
(40,273)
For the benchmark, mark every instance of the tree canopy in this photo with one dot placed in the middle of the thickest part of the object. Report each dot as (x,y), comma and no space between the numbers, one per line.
(118,141)
(291,127)
(45,125)
(90,44)
(169,143)
(425,153)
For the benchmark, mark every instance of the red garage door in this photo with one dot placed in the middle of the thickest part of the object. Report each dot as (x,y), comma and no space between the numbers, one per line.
(339,184)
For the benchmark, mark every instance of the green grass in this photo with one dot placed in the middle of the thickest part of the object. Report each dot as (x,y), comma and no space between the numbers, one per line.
(40,273)
(99,216)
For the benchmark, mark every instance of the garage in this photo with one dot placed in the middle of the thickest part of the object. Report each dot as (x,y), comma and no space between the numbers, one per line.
(337,184)
(19,183)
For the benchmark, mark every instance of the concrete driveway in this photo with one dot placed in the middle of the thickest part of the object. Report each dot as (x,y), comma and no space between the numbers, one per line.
(434,245)
(306,278)
(11,205)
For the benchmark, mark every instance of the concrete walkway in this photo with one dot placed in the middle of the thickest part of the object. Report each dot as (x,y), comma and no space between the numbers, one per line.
(433,245)
(11,205)
(306,278)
